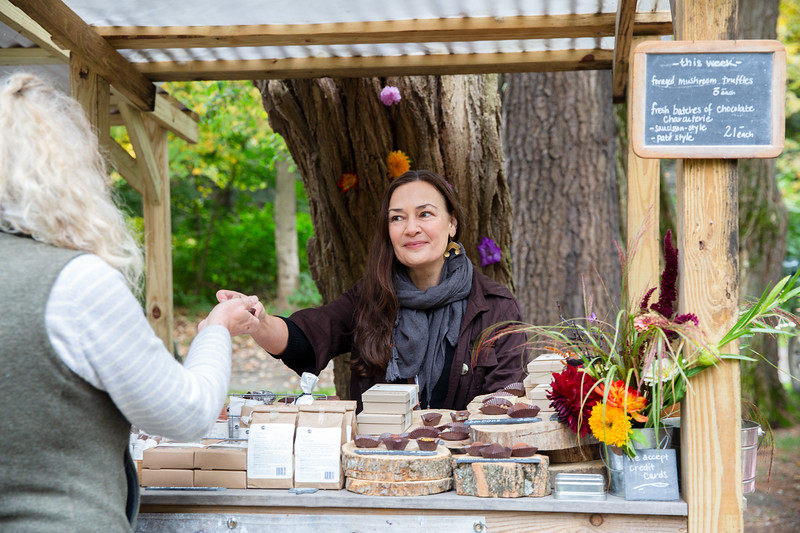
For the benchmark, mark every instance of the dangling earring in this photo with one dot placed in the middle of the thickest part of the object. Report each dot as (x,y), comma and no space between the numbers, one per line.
(452,247)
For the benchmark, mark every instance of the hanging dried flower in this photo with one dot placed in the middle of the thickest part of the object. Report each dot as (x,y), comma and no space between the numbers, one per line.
(349,180)
(398,163)
(489,251)
(390,95)
(668,291)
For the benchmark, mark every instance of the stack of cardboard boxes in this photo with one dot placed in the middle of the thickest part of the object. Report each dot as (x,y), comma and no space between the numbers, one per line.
(540,375)
(387,408)
(209,464)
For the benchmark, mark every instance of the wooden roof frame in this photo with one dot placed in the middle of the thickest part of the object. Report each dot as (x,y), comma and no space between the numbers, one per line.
(99,46)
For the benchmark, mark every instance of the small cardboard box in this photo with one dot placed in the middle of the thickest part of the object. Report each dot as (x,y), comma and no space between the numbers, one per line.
(230,479)
(540,392)
(403,393)
(388,408)
(377,429)
(400,420)
(167,477)
(538,378)
(548,362)
(170,456)
(221,456)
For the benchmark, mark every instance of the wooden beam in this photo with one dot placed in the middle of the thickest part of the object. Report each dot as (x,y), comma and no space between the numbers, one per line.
(623,33)
(166,113)
(357,67)
(643,214)
(69,29)
(126,165)
(18,20)
(708,239)
(27,56)
(158,238)
(92,92)
(145,154)
(393,31)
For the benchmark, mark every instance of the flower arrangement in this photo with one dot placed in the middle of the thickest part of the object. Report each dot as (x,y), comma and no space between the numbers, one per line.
(623,376)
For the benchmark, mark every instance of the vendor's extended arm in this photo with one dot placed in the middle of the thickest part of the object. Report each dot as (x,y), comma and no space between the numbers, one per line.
(271,334)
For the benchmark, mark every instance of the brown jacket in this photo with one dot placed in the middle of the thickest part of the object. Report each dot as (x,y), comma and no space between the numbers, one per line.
(329,330)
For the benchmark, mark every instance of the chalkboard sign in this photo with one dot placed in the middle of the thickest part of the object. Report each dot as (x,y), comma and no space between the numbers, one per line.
(651,475)
(708,99)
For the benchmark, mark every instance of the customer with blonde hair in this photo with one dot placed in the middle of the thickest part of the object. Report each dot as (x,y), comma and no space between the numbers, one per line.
(80,363)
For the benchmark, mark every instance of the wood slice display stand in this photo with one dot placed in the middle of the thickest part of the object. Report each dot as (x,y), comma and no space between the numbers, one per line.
(502,479)
(397,475)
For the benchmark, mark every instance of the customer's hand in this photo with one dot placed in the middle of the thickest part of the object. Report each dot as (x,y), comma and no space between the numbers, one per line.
(239,315)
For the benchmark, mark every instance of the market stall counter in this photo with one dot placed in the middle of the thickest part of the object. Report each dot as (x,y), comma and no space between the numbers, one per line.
(340,511)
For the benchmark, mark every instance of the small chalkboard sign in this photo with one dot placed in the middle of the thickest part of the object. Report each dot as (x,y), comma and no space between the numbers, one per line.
(651,475)
(708,99)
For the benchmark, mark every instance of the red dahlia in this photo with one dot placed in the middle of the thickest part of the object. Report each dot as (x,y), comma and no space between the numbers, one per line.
(573,394)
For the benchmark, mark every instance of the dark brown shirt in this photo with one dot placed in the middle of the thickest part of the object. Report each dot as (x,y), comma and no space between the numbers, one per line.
(329,330)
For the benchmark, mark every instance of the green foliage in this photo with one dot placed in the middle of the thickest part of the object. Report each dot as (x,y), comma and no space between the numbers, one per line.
(222,190)
(788,164)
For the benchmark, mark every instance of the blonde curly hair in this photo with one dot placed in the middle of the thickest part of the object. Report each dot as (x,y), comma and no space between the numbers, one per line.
(54,184)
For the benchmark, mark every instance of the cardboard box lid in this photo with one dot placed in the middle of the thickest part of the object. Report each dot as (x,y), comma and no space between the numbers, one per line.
(170,456)
(548,362)
(221,457)
(392,392)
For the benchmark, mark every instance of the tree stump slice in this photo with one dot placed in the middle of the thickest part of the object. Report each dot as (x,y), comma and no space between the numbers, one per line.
(502,480)
(372,487)
(397,468)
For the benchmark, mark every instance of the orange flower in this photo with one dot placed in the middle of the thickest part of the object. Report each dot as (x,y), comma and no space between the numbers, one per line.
(349,180)
(398,163)
(625,398)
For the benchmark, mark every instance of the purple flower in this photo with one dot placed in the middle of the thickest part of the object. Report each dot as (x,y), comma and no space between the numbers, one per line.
(592,317)
(490,252)
(390,95)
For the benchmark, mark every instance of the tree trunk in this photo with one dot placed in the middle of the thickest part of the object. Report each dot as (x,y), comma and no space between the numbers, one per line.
(559,145)
(285,211)
(762,233)
(448,124)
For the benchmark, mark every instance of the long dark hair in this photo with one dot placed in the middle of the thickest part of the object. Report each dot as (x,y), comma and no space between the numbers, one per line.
(377,308)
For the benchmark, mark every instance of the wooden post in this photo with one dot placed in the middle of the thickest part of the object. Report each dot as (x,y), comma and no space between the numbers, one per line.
(643,212)
(92,92)
(711,456)
(158,239)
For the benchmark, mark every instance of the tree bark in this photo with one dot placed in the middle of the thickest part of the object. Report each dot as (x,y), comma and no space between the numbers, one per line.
(762,234)
(559,145)
(448,124)
(286,233)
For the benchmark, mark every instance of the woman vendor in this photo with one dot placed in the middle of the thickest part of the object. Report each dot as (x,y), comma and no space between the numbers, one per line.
(415,315)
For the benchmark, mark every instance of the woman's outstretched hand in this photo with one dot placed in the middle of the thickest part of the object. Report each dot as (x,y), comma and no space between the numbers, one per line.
(239,314)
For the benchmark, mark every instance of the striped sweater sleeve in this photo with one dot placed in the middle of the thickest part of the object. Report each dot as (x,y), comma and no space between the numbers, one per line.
(99,330)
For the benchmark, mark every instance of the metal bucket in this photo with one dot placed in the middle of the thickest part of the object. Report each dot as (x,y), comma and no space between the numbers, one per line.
(751,436)
(614,457)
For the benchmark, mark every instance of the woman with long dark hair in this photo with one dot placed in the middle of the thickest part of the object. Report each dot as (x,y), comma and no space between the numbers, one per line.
(416,314)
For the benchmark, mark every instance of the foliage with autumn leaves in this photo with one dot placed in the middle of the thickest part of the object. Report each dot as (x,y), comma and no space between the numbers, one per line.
(622,376)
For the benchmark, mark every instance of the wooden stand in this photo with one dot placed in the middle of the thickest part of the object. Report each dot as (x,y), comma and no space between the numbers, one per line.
(502,480)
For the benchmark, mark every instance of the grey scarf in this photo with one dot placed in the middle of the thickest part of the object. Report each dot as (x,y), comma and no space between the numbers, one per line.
(425,320)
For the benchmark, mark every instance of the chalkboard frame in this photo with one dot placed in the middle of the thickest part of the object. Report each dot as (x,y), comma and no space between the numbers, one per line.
(717,151)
